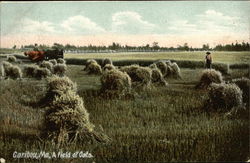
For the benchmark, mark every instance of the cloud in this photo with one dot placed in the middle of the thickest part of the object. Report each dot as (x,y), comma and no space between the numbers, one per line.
(217,16)
(182,26)
(130,28)
(129,22)
(217,21)
(73,25)
(29,26)
(81,25)
(210,21)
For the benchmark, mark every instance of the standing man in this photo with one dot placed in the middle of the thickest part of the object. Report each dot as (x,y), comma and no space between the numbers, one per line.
(35,47)
(208,60)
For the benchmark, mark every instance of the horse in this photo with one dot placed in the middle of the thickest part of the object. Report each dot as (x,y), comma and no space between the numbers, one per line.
(44,55)
(35,55)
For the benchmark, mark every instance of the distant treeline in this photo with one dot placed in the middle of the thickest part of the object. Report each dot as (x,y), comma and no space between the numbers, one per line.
(116,47)
(233,47)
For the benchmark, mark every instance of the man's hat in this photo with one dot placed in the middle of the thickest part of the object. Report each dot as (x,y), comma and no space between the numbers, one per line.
(208,53)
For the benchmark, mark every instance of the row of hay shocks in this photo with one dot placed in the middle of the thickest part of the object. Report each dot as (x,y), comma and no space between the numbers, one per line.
(11,71)
(8,70)
(66,118)
(43,70)
(46,68)
(11,59)
(117,81)
(114,82)
(92,67)
(167,69)
(231,97)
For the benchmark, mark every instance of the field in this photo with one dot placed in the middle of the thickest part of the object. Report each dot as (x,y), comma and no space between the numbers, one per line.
(162,124)
(221,57)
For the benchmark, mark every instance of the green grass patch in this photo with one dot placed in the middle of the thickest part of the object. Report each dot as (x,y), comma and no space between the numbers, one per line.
(9,51)
(224,68)
(222,57)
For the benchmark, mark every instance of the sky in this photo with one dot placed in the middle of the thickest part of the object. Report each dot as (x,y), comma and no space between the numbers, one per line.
(170,23)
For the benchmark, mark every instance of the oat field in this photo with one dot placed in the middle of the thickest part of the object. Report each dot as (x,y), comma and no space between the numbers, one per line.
(162,124)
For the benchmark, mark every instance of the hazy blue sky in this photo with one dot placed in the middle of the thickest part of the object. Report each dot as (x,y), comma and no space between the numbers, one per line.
(137,23)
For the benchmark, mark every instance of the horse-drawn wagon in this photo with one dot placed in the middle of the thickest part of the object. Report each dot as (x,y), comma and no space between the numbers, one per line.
(40,55)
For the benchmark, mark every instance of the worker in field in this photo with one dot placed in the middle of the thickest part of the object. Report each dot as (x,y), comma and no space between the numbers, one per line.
(35,47)
(208,60)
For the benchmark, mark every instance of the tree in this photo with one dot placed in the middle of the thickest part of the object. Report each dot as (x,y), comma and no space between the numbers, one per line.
(70,47)
(14,47)
(205,47)
(43,47)
(185,47)
(247,47)
(115,46)
(233,47)
(155,46)
(57,46)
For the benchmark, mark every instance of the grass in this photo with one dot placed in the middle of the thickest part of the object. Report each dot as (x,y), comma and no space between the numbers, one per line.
(235,60)
(159,125)
(221,60)
(9,51)
(222,57)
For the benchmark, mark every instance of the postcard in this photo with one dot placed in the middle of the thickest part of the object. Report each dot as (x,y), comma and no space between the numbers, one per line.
(124,81)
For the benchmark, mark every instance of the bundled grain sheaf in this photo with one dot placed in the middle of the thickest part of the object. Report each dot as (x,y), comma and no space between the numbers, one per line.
(208,77)
(115,82)
(108,67)
(176,70)
(106,61)
(60,69)
(144,73)
(48,65)
(60,85)
(61,61)
(88,62)
(53,61)
(6,68)
(30,70)
(2,71)
(244,85)
(140,76)
(94,68)
(10,71)
(11,58)
(168,69)
(152,66)
(224,96)
(162,66)
(40,73)
(57,86)
(6,64)
(67,118)
(157,77)
(15,72)
(168,62)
